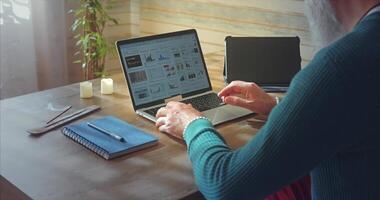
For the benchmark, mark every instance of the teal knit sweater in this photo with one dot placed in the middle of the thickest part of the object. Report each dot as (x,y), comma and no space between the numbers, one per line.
(328,126)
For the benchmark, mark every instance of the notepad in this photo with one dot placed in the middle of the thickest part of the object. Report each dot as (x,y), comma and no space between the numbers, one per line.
(106,146)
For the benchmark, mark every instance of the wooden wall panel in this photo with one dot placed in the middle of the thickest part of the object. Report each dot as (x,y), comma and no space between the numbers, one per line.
(213,19)
(127,12)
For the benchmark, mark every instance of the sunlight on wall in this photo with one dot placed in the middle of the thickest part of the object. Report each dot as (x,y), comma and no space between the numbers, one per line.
(18,76)
(14,10)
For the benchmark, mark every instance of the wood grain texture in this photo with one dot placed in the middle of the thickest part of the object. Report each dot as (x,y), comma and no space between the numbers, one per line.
(54,167)
(9,191)
(214,20)
(127,13)
(217,19)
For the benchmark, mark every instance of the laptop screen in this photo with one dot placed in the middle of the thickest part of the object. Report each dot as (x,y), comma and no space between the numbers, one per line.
(161,66)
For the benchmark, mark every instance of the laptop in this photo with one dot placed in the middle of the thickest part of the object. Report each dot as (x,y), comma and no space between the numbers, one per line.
(171,66)
(270,62)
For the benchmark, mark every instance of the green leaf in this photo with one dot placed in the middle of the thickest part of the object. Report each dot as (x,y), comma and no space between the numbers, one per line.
(93,46)
(114,21)
(79,42)
(75,24)
(92,37)
(98,6)
(85,41)
(79,12)
(102,74)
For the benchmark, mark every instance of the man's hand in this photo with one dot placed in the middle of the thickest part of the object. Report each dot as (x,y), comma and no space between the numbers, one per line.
(173,118)
(250,96)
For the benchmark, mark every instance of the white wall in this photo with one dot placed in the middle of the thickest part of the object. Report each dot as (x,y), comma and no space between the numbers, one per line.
(36,46)
(17,58)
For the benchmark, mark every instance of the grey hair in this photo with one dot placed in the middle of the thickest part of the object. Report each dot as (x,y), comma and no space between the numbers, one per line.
(324,25)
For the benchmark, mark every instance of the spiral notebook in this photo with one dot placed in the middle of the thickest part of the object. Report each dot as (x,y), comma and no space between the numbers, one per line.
(106,146)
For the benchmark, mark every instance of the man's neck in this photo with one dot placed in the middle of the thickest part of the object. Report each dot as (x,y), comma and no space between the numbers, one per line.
(349,12)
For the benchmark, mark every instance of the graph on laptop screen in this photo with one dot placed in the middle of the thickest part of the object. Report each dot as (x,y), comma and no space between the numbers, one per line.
(160,68)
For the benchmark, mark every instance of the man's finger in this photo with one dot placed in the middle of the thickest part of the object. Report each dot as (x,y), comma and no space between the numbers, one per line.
(161,121)
(163,128)
(235,87)
(237,101)
(162,112)
(172,104)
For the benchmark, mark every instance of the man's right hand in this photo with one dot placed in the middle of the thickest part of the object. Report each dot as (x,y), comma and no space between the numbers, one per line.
(247,95)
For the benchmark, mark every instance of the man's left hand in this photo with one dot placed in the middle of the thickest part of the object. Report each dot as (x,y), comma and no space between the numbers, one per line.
(173,118)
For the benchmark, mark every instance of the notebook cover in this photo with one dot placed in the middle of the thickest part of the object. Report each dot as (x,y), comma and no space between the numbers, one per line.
(106,146)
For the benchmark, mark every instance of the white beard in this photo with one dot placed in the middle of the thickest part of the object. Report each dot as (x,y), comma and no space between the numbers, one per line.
(324,26)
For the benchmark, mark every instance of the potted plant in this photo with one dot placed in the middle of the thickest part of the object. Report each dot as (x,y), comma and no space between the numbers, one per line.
(91,18)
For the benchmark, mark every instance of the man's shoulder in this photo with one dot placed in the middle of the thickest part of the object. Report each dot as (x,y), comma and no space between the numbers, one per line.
(353,55)
(360,47)
(362,41)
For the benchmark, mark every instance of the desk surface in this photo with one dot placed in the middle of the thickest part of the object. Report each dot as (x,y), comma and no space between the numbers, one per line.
(54,167)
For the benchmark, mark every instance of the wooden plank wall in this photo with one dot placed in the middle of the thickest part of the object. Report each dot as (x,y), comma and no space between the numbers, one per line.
(216,19)
(127,12)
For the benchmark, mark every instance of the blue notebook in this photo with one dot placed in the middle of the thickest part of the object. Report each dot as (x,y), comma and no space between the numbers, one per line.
(105,145)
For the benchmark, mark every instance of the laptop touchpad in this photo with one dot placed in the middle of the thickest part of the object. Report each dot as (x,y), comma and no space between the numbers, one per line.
(225,113)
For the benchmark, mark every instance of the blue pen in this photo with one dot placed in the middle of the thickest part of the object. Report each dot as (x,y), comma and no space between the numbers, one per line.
(113,135)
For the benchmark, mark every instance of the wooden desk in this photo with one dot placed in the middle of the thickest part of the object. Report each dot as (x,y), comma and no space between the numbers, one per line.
(54,167)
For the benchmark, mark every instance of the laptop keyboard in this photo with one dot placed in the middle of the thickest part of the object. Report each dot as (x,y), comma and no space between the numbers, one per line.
(153,111)
(204,102)
(201,103)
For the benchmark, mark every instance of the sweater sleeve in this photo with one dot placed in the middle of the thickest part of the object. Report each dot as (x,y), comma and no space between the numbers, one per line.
(305,129)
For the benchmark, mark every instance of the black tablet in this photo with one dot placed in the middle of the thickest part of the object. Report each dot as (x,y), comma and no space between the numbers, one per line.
(270,62)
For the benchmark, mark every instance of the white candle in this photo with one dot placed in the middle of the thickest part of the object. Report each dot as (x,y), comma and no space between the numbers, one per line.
(85,89)
(106,86)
